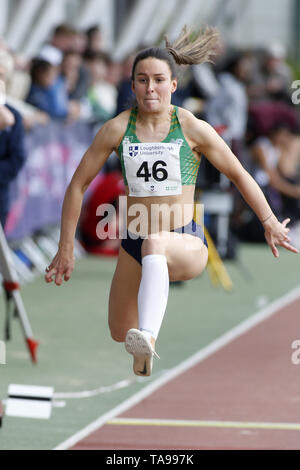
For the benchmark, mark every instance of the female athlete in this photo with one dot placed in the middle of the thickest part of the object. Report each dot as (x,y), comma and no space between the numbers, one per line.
(159,146)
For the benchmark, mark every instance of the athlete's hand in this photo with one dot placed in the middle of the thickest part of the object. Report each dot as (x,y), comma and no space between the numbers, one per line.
(61,267)
(276,233)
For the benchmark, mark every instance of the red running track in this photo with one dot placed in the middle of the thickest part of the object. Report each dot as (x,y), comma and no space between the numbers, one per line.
(252,379)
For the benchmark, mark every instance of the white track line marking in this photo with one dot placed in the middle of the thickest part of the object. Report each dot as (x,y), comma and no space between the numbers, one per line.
(204,424)
(199,356)
(92,393)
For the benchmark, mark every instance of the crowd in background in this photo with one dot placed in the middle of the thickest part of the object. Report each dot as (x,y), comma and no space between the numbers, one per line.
(245,95)
(70,78)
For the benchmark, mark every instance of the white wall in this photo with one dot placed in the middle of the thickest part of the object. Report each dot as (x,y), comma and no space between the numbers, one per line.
(3,16)
(261,22)
(244,23)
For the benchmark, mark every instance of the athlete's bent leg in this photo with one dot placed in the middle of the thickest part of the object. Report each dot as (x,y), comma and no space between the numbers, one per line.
(180,256)
(186,254)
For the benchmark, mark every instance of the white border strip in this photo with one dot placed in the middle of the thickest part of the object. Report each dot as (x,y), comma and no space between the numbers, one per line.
(202,354)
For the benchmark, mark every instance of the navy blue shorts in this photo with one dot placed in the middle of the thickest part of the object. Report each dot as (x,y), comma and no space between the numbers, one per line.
(134,246)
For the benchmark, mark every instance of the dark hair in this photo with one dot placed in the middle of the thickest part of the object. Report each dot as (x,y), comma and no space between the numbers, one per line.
(91,55)
(233,60)
(37,66)
(190,48)
(92,30)
(157,53)
(64,29)
(69,52)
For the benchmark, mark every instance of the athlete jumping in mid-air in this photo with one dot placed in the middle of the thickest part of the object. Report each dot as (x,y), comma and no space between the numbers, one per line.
(159,146)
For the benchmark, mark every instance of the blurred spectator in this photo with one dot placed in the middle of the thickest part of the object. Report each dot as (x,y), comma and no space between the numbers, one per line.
(79,42)
(272,79)
(75,74)
(51,54)
(63,37)
(185,87)
(94,39)
(19,80)
(6,116)
(114,73)
(6,67)
(289,169)
(229,107)
(206,81)
(12,154)
(265,115)
(125,96)
(205,75)
(102,95)
(267,152)
(31,115)
(289,162)
(48,91)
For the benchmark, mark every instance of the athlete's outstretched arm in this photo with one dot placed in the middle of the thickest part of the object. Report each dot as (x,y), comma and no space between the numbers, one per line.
(213,147)
(93,160)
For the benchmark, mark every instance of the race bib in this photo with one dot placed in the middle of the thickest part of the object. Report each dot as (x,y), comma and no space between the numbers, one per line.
(152,169)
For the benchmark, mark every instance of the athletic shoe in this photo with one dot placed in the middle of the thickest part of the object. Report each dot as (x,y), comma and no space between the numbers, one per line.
(138,344)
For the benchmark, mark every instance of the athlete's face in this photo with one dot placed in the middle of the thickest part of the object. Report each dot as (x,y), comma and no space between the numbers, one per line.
(153,84)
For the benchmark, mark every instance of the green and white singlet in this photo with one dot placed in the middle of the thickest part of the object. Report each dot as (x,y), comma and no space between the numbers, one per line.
(158,168)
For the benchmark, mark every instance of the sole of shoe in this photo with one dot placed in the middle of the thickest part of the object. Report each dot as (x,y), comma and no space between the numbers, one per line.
(140,347)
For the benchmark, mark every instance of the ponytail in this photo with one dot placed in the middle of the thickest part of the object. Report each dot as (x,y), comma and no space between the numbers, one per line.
(194,48)
(190,48)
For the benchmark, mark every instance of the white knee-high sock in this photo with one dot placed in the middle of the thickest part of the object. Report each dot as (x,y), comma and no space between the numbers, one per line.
(153,293)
